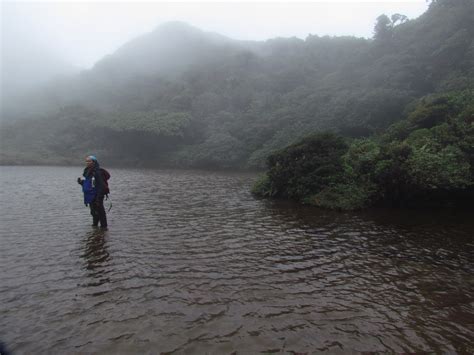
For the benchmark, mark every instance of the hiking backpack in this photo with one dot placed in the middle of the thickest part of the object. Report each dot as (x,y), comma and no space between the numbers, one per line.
(105,179)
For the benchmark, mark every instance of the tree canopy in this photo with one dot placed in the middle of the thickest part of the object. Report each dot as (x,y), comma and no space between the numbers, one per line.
(182,97)
(428,157)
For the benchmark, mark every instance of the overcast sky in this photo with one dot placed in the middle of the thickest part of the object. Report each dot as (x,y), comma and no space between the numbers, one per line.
(83,32)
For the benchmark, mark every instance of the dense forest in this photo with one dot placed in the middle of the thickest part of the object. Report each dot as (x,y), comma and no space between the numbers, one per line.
(185,98)
(427,159)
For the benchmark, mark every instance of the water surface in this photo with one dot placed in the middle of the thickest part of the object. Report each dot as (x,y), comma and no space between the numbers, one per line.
(192,263)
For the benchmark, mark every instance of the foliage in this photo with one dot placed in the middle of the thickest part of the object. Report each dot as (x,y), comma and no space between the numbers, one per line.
(305,168)
(446,168)
(182,97)
(342,197)
(263,187)
(426,156)
(168,124)
(219,150)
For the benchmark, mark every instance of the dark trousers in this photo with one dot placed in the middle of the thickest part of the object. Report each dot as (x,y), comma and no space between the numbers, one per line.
(98,212)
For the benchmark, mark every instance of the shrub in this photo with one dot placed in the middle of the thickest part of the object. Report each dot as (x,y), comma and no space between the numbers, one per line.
(343,197)
(263,187)
(428,157)
(446,169)
(305,168)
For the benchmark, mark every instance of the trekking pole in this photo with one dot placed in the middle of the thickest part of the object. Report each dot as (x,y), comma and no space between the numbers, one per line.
(108,198)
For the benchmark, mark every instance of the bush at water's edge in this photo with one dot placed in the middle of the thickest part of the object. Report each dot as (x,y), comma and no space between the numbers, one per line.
(426,158)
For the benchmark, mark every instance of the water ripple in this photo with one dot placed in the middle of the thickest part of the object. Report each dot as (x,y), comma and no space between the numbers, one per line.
(192,263)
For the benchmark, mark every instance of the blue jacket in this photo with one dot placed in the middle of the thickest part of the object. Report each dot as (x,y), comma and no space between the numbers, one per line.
(93,185)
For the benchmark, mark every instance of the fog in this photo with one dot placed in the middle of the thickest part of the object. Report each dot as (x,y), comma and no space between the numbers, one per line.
(41,40)
(226,86)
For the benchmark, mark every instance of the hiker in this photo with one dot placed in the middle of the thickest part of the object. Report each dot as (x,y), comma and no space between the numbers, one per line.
(95,188)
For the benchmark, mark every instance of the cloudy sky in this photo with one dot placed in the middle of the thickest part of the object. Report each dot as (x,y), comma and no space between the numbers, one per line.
(82,32)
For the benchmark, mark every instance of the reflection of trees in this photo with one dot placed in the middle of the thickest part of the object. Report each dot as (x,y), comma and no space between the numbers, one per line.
(410,270)
(297,215)
(433,223)
(425,236)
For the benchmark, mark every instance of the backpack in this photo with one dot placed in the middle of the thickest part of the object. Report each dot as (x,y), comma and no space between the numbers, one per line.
(89,190)
(105,179)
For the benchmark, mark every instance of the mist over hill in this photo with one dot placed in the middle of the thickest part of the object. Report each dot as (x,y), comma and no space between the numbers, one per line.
(179,96)
(167,51)
(161,55)
(28,65)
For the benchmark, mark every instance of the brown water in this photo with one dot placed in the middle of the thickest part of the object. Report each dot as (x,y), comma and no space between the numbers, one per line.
(193,264)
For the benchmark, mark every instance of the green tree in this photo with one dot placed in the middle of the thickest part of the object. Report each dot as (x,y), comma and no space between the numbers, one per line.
(305,168)
(383,29)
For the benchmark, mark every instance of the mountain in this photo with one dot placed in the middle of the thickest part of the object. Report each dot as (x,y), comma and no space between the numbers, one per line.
(162,54)
(183,97)
(168,50)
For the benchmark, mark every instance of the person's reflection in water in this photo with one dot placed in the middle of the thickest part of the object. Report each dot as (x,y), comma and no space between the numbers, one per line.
(96,254)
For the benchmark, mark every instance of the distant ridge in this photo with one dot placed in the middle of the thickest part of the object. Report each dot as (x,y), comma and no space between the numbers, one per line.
(169,49)
(183,97)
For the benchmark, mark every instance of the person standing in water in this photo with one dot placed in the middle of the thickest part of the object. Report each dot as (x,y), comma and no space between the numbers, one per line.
(95,188)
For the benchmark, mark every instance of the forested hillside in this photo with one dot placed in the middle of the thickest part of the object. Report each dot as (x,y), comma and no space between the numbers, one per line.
(182,97)
(427,158)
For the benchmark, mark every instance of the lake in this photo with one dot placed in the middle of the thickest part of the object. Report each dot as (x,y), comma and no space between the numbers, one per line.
(192,263)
